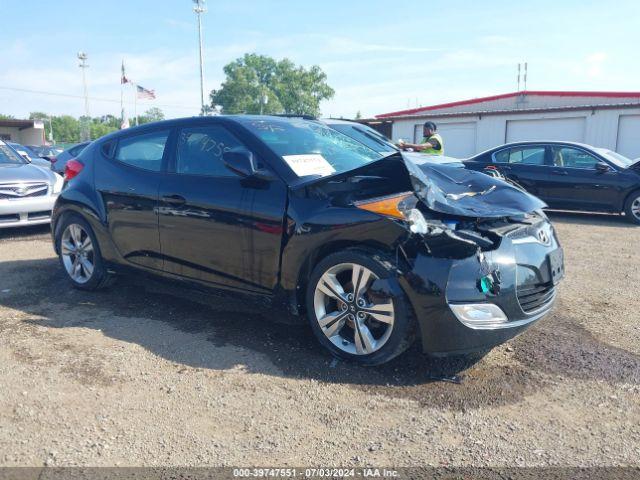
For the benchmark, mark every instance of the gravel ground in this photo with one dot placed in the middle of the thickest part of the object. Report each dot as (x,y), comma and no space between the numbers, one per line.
(148,373)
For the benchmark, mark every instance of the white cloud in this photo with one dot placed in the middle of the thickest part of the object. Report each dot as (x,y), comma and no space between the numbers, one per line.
(594,64)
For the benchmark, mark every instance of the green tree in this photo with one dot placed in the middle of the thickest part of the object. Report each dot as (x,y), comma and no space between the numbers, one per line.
(358,115)
(154,114)
(5,117)
(260,84)
(66,129)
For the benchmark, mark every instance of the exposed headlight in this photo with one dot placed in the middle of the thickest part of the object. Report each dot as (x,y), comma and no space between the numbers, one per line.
(58,183)
(417,222)
(400,206)
(479,316)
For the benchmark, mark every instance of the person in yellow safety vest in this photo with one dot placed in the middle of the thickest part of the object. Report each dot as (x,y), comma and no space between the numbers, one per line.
(431,144)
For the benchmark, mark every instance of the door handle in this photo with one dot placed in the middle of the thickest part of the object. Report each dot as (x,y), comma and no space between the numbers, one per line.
(174,199)
(559,172)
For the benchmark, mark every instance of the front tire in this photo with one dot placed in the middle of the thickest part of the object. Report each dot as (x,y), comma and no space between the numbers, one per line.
(79,254)
(632,208)
(354,313)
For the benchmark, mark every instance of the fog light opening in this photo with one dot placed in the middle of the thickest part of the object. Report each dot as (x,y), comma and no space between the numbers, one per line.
(479,315)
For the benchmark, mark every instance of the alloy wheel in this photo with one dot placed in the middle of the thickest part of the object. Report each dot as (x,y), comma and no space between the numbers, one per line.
(635,208)
(351,316)
(77,253)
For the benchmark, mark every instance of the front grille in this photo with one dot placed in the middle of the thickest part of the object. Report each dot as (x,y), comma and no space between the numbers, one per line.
(535,297)
(13,191)
(9,218)
(39,215)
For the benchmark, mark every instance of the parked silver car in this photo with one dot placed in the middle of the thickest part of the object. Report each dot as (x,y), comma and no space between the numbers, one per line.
(27,191)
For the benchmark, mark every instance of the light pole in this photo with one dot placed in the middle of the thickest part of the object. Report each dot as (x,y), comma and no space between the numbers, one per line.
(84,125)
(199,9)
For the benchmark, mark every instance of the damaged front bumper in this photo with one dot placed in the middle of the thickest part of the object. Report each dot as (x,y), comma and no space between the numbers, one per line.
(471,304)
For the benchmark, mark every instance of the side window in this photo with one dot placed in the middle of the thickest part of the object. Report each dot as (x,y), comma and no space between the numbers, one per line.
(107,148)
(522,156)
(501,156)
(143,151)
(573,158)
(75,151)
(200,150)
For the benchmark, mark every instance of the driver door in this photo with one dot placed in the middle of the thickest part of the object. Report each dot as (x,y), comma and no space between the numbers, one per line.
(216,226)
(574,182)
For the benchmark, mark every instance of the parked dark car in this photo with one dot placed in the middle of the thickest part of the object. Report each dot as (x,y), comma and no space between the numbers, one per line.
(570,176)
(374,250)
(60,161)
(29,155)
(46,151)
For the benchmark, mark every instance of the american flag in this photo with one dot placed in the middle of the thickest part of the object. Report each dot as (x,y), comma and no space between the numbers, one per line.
(123,77)
(142,92)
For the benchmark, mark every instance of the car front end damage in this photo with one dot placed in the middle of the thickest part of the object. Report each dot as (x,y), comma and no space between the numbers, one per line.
(477,257)
(470,297)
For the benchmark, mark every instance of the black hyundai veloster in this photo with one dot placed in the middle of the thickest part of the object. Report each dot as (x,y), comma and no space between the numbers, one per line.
(374,250)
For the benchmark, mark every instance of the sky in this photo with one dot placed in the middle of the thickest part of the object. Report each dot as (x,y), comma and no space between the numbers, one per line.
(379,56)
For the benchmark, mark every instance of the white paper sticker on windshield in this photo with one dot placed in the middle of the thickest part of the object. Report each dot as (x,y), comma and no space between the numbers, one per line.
(310,164)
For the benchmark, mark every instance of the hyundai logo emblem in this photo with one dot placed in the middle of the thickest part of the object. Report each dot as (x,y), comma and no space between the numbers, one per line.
(21,190)
(543,237)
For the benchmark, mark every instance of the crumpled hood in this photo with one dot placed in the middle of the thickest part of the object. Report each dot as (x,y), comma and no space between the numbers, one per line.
(446,189)
(459,191)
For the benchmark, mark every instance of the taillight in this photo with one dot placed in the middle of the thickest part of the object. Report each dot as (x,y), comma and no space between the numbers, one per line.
(72,169)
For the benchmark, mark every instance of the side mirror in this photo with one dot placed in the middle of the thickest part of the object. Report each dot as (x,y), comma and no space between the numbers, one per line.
(602,167)
(243,162)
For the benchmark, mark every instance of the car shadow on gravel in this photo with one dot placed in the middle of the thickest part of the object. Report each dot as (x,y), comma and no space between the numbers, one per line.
(32,232)
(138,309)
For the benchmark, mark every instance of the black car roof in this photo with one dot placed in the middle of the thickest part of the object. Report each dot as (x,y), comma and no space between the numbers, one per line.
(534,142)
(239,119)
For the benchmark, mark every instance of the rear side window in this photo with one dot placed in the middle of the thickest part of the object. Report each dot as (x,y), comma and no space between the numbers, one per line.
(77,150)
(143,151)
(200,150)
(107,148)
(522,155)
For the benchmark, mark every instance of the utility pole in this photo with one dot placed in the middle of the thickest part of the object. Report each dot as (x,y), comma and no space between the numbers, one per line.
(50,131)
(199,9)
(84,124)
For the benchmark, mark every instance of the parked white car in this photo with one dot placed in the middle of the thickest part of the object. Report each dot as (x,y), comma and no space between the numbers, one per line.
(27,191)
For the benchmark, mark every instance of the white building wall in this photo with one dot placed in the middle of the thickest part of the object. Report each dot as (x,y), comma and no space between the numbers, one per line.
(601,126)
(26,136)
(31,136)
(12,132)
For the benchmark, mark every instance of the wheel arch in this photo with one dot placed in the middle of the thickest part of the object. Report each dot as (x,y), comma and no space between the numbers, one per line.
(323,251)
(628,197)
(91,216)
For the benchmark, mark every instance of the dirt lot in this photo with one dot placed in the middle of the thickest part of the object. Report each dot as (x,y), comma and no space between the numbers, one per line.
(150,374)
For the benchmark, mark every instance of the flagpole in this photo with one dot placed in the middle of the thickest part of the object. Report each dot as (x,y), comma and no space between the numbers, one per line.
(135,102)
(122,95)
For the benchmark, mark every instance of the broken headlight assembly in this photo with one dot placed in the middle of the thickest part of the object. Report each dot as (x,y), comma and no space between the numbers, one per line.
(403,207)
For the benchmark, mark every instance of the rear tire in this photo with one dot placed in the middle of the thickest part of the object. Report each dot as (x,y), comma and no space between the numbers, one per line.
(79,254)
(632,208)
(350,318)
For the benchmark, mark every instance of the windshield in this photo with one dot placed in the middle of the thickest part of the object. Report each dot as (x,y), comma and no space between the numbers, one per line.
(22,150)
(9,157)
(310,147)
(365,135)
(615,158)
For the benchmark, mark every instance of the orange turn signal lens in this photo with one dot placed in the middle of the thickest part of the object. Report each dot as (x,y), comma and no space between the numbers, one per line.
(388,206)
